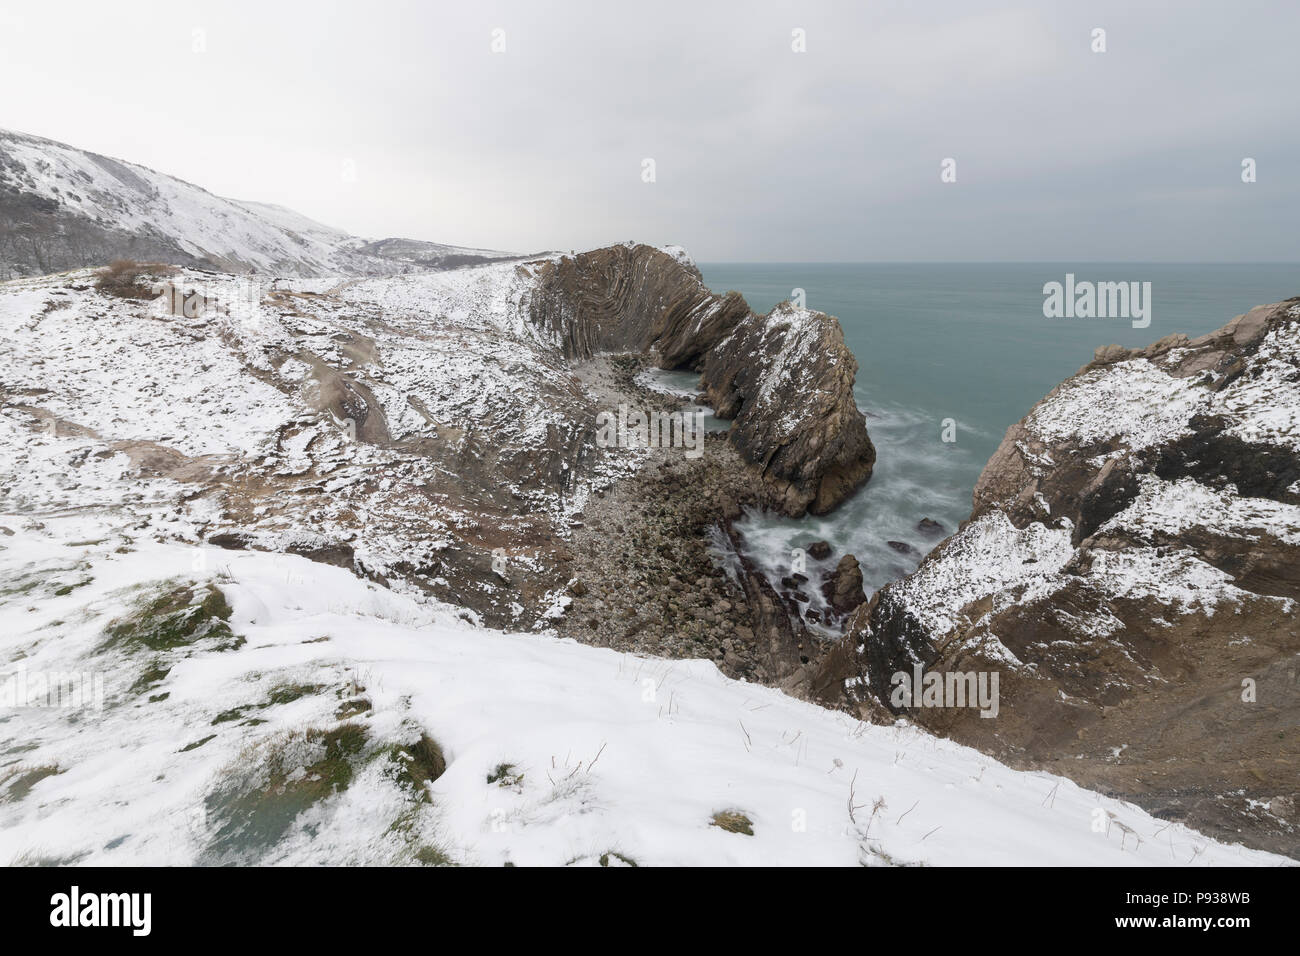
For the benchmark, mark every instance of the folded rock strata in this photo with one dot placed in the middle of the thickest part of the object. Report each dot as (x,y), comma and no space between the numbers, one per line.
(786,378)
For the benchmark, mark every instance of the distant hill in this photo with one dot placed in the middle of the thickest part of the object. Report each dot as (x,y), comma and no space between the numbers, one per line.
(64,208)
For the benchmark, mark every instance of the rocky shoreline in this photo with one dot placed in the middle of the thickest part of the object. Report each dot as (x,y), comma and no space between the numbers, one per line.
(649,569)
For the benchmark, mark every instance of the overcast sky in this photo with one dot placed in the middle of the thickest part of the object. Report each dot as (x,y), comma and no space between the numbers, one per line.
(761,153)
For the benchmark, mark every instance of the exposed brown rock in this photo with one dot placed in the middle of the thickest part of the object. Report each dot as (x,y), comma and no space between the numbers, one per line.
(1159,681)
(843,587)
(786,378)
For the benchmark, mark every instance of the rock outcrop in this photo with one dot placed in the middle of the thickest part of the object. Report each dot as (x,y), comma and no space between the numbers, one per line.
(1130,571)
(786,378)
(843,586)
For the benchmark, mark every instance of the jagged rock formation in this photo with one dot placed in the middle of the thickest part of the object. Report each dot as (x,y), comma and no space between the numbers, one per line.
(63,208)
(786,378)
(1131,570)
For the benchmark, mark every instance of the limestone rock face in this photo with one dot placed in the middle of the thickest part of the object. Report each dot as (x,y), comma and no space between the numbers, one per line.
(786,378)
(1130,570)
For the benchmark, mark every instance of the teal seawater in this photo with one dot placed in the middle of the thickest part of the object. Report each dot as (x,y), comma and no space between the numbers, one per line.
(967,342)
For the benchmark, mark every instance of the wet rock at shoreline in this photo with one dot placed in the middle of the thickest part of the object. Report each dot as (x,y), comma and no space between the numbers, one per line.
(930,528)
(819,550)
(842,588)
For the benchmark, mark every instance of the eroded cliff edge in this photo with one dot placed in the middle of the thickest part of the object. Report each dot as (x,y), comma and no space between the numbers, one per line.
(786,378)
(1130,570)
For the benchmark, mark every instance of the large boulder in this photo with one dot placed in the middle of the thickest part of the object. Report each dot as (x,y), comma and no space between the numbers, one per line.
(843,586)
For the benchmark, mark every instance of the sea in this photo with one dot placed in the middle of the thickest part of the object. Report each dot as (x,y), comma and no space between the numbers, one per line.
(959,351)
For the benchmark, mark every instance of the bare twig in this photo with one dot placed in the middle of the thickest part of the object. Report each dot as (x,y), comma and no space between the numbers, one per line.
(905,813)
(876,806)
(595,758)
(853,808)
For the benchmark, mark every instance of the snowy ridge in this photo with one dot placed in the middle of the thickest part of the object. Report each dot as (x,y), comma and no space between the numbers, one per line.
(1149,401)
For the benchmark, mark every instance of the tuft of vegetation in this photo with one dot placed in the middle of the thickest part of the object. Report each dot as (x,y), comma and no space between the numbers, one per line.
(618,858)
(128,279)
(155,673)
(178,616)
(434,856)
(234,713)
(20,781)
(251,814)
(67,589)
(351,708)
(505,775)
(733,821)
(418,763)
(288,693)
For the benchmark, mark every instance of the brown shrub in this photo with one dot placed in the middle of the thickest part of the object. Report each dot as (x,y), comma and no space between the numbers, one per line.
(128,279)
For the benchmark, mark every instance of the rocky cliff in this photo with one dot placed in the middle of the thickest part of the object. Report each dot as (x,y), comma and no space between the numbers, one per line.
(785,378)
(1130,570)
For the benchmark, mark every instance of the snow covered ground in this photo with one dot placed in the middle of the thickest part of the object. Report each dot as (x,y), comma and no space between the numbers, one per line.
(245,706)
(290,734)
(399,418)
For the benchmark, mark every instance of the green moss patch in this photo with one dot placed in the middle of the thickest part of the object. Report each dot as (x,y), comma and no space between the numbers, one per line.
(178,616)
(290,775)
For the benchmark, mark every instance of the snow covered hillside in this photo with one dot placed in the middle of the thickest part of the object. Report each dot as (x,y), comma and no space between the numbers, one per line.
(62,207)
(247,707)
(408,427)
(247,557)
